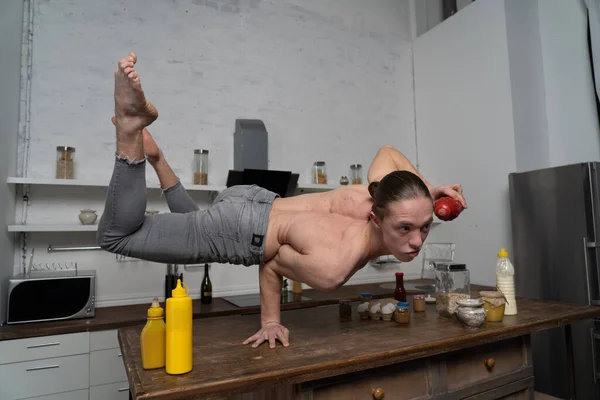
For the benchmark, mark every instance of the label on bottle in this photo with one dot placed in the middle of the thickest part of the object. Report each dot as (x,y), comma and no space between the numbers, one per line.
(208,294)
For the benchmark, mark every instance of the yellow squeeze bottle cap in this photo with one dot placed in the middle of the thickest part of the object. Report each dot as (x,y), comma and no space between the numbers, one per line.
(502,253)
(179,291)
(155,309)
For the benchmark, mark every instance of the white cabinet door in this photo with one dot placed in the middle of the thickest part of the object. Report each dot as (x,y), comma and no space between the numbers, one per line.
(114,391)
(106,366)
(104,340)
(76,395)
(44,347)
(44,377)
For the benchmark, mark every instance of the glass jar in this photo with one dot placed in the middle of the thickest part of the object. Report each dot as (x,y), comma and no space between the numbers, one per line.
(65,162)
(320,173)
(344,180)
(200,167)
(402,314)
(356,174)
(452,278)
(419,303)
(366,297)
(345,309)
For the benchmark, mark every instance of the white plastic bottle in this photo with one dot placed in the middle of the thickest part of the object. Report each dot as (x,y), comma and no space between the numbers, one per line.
(505,280)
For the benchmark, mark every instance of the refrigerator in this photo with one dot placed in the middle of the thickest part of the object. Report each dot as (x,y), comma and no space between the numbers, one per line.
(555,218)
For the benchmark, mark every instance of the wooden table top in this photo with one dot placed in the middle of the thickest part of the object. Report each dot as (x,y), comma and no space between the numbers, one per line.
(322,346)
(131,315)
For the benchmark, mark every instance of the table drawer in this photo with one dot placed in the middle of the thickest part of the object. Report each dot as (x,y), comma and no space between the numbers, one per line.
(44,377)
(104,340)
(113,391)
(470,367)
(409,380)
(44,347)
(76,395)
(106,366)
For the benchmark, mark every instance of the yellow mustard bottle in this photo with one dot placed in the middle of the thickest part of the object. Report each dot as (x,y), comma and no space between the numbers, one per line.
(179,332)
(153,338)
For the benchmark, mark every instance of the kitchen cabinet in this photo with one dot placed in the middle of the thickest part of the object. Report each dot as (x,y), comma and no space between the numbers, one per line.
(69,366)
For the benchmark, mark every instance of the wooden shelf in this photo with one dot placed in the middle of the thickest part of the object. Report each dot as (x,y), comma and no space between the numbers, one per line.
(98,183)
(52,228)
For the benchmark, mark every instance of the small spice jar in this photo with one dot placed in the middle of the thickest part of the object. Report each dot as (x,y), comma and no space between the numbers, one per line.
(366,297)
(345,309)
(65,163)
(402,314)
(494,303)
(344,180)
(200,167)
(419,303)
(320,173)
(356,174)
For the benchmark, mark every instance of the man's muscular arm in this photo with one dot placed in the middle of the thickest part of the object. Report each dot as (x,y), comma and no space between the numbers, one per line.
(270,294)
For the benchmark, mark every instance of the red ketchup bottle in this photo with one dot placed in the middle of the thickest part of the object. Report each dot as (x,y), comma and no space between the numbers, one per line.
(446,208)
(400,292)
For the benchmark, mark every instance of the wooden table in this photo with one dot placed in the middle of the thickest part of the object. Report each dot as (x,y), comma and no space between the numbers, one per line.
(432,357)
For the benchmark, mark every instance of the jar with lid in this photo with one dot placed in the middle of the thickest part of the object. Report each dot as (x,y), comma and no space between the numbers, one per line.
(402,314)
(200,167)
(65,162)
(320,172)
(344,180)
(345,309)
(452,278)
(356,174)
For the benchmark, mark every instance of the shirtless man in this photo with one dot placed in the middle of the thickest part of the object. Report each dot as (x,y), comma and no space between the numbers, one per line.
(318,239)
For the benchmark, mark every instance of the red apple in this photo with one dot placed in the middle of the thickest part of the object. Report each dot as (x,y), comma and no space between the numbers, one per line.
(447,209)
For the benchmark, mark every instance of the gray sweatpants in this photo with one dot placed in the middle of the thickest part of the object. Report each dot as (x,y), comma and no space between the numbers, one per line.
(232,230)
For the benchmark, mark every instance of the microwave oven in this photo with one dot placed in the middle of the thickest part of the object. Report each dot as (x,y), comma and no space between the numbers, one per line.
(51,296)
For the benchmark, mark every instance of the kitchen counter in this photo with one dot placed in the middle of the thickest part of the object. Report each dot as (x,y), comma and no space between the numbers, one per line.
(122,316)
(330,359)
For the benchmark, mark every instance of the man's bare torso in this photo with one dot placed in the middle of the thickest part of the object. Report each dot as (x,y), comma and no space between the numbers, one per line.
(320,239)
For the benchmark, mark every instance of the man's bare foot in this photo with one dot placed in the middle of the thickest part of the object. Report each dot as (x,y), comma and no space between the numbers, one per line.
(151,149)
(133,112)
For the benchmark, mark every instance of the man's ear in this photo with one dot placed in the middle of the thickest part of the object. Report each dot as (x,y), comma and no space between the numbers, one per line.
(374,218)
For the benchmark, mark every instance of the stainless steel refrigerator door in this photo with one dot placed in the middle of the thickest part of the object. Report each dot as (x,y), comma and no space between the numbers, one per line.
(550,214)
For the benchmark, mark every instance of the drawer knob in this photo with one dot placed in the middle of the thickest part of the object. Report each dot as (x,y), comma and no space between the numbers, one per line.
(378,394)
(489,363)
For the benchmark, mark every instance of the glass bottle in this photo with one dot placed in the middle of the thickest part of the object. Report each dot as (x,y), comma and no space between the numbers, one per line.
(400,292)
(356,174)
(65,163)
(206,288)
(200,167)
(320,172)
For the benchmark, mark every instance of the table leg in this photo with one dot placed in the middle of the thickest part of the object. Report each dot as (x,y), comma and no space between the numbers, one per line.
(570,362)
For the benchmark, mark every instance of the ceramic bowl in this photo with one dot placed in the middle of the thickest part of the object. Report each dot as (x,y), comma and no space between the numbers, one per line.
(87,217)
(470,313)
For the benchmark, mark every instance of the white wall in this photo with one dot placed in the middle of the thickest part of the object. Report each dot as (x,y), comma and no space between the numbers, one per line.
(574,135)
(465,128)
(331,79)
(11,17)
(532,142)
